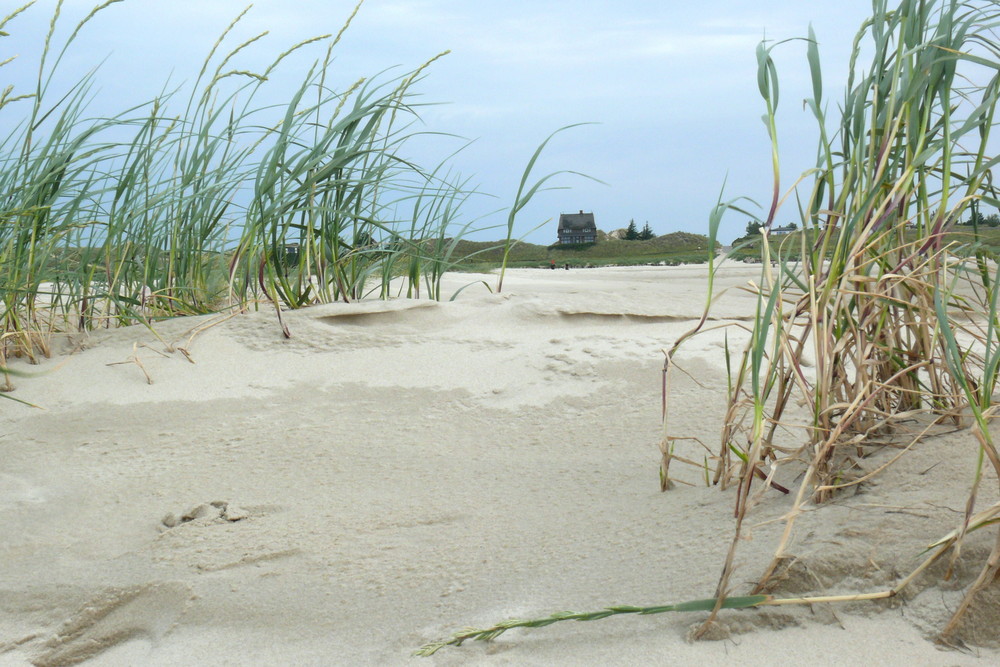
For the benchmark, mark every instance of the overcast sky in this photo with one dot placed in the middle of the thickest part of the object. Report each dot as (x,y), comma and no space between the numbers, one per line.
(670,85)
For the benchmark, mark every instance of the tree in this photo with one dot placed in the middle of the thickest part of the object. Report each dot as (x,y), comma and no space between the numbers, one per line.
(753,228)
(631,234)
(646,233)
(979,220)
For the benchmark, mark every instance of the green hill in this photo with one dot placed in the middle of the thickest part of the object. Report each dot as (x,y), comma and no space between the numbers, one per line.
(748,247)
(675,248)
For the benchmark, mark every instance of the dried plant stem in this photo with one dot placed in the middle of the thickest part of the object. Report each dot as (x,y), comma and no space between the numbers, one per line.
(134,359)
(902,325)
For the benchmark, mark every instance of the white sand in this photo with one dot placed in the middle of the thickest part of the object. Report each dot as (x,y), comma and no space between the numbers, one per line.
(402,470)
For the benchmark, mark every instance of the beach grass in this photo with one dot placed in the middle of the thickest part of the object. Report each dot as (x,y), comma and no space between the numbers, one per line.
(894,301)
(216,195)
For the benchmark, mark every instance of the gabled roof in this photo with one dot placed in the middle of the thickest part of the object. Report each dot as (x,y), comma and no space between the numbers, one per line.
(577,221)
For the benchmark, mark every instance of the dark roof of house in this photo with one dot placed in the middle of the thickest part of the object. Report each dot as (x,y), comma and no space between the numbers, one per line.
(577,221)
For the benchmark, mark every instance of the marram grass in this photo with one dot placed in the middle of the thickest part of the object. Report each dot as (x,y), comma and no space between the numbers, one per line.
(902,324)
(216,196)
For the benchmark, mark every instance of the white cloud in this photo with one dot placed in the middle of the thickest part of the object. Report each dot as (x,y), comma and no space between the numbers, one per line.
(555,34)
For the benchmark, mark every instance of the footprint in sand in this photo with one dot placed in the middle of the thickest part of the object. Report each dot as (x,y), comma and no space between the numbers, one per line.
(129,620)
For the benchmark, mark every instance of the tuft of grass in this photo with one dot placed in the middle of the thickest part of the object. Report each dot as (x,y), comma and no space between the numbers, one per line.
(897,309)
(217,198)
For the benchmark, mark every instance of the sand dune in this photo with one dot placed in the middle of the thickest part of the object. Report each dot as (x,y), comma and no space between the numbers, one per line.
(399,470)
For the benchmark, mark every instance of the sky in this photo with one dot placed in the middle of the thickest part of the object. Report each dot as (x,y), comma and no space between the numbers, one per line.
(668,88)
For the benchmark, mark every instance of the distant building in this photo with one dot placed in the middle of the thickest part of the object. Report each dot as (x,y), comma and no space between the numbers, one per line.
(577,228)
(781,231)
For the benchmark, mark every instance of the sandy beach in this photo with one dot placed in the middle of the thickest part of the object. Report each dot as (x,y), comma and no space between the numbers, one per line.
(397,471)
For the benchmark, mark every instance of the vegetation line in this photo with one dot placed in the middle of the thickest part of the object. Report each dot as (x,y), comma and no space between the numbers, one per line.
(233,203)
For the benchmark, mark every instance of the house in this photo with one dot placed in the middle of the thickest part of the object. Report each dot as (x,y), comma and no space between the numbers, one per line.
(577,228)
(781,231)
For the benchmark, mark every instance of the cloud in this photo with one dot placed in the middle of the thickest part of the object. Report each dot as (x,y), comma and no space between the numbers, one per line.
(556,34)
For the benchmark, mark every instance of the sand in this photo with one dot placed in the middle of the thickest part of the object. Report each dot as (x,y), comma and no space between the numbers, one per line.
(400,470)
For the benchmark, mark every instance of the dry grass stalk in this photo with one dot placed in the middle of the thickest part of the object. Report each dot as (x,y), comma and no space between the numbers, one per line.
(901,325)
